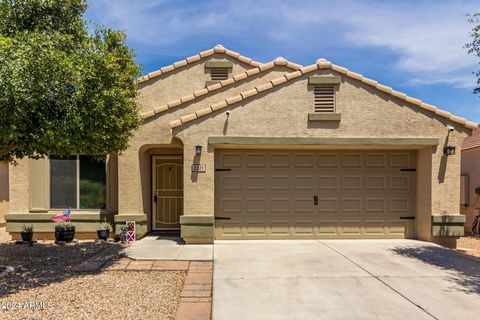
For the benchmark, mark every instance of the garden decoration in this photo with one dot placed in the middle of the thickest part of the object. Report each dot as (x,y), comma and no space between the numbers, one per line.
(65,231)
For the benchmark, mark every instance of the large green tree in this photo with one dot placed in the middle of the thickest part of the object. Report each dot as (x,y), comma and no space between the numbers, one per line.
(474,46)
(63,88)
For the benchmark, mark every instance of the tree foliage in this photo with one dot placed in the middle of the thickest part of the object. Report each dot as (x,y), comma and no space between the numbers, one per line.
(63,89)
(473,47)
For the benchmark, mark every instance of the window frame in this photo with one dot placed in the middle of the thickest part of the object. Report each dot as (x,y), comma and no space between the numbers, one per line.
(77,171)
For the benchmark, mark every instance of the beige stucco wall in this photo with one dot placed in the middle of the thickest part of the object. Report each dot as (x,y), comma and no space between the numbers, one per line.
(19,185)
(156,131)
(365,113)
(471,167)
(3,190)
(281,112)
(181,82)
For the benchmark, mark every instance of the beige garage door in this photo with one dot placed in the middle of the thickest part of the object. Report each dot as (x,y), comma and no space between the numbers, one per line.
(314,194)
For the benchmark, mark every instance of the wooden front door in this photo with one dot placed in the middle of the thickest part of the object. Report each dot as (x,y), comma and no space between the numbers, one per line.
(167,192)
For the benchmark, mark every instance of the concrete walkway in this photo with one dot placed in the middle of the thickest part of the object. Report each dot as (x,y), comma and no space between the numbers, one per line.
(155,247)
(343,279)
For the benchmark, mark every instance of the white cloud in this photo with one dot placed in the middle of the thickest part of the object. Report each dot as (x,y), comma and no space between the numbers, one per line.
(427,37)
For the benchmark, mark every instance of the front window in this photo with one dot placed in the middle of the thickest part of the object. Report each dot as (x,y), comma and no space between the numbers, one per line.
(78,182)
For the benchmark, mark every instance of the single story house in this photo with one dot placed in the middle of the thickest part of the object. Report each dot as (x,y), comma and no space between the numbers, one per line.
(231,148)
(470,179)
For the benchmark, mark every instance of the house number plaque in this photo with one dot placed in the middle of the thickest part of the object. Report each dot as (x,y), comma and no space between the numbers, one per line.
(199,167)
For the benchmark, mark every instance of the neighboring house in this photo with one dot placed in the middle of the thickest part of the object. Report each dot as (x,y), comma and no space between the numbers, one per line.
(470,183)
(234,149)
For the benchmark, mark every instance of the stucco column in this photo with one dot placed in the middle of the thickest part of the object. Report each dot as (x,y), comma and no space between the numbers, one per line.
(197,223)
(446,221)
(424,194)
(129,192)
(18,182)
(4,192)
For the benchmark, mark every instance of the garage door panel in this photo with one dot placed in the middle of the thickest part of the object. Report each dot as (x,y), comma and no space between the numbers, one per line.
(303,183)
(280,228)
(303,227)
(270,194)
(350,227)
(400,160)
(326,204)
(351,182)
(375,182)
(327,227)
(399,205)
(327,183)
(352,205)
(375,160)
(230,182)
(280,205)
(399,183)
(231,160)
(256,228)
(374,205)
(256,205)
(375,227)
(303,205)
(328,160)
(280,182)
(280,160)
(257,182)
(352,160)
(256,160)
(303,160)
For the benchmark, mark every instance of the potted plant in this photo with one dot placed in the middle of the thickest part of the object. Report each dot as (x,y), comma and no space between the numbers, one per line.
(65,231)
(27,233)
(103,231)
(123,234)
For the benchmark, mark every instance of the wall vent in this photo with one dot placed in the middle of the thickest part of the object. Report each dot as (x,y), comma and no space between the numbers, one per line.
(324,99)
(218,74)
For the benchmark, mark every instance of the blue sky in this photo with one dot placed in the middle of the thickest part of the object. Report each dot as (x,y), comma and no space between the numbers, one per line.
(413,46)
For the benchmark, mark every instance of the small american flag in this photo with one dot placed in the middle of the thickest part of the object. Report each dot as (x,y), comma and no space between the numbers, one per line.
(62,217)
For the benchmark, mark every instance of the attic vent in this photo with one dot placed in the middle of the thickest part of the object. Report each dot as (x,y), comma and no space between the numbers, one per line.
(324,99)
(218,74)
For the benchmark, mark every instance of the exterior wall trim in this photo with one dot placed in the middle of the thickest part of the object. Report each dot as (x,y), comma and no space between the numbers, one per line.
(448,225)
(324,141)
(324,80)
(218,63)
(324,116)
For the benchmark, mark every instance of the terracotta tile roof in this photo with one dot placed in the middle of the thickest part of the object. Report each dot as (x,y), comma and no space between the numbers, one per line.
(222,84)
(217,49)
(321,64)
(473,141)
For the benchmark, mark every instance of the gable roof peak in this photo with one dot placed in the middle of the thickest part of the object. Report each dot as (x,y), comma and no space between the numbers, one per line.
(219,49)
(322,60)
(204,54)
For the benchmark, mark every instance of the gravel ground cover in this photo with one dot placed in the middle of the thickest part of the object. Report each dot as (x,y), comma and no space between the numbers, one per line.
(4,235)
(44,262)
(106,295)
(49,288)
(470,243)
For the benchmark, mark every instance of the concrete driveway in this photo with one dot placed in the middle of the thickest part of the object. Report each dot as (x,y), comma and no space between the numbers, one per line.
(343,279)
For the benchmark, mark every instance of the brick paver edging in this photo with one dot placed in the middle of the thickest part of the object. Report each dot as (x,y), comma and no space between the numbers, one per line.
(196,297)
